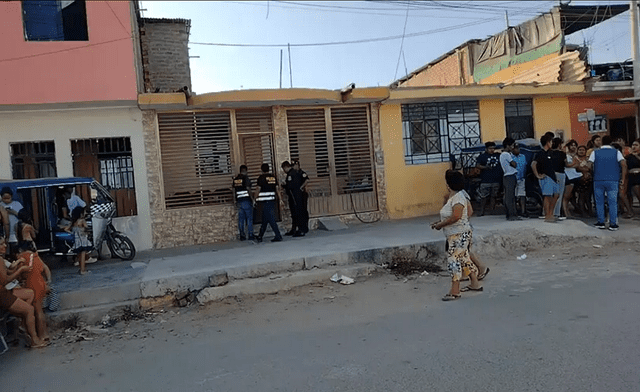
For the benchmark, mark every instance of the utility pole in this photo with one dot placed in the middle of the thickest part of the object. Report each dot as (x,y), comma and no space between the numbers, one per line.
(506,18)
(290,72)
(633,13)
(280,68)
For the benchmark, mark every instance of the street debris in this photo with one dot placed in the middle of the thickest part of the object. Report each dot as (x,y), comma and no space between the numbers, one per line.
(137,264)
(404,263)
(597,246)
(522,257)
(337,278)
(424,273)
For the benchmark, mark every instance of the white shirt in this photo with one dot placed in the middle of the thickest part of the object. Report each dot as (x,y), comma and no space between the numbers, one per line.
(13,220)
(462,225)
(505,159)
(571,172)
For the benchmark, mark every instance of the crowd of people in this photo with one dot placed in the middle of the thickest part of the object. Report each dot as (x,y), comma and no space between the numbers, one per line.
(264,198)
(603,173)
(25,279)
(572,178)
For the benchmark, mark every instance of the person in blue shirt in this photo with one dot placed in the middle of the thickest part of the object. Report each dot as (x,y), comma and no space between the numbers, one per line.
(521,190)
(609,167)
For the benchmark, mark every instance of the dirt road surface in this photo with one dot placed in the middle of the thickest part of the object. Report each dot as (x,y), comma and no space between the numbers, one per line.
(563,319)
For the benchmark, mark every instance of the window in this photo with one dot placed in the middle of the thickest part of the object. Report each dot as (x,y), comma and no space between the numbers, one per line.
(55,20)
(33,160)
(196,158)
(432,132)
(110,162)
(518,115)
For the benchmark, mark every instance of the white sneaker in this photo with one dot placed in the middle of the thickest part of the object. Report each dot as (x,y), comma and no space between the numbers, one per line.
(90,260)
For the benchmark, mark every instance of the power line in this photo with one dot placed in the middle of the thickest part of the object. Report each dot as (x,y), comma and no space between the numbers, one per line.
(359,41)
(114,14)
(63,50)
(404,30)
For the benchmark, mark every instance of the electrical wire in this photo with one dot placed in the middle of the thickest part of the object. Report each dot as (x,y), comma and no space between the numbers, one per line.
(119,21)
(404,31)
(359,41)
(63,50)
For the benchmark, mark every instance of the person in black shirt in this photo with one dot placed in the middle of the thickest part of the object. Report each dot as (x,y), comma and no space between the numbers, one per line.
(286,167)
(491,176)
(266,194)
(543,169)
(295,187)
(242,190)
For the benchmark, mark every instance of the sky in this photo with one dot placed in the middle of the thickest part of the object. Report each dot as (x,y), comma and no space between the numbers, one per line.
(391,38)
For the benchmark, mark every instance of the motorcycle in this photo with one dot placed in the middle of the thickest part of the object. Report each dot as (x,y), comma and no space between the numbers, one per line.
(44,199)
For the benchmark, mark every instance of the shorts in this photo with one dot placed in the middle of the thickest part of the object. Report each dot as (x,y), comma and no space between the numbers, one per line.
(521,189)
(487,189)
(82,249)
(7,299)
(549,187)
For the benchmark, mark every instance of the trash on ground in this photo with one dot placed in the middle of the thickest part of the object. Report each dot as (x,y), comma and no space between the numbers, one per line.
(597,246)
(406,263)
(337,278)
(522,257)
(137,264)
(424,273)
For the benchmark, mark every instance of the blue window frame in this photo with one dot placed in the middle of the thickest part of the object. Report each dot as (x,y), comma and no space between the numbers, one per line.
(50,20)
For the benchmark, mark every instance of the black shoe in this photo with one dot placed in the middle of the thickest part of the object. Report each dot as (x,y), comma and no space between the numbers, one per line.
(290,232)
(600,225)
(258,239)
(299,234)
(277,239)
(243,238)
(252,238)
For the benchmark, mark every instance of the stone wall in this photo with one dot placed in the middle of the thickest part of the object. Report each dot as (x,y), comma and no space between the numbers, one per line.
(165,54)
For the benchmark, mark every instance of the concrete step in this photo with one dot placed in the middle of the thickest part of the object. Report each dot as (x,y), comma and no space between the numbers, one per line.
(281,282)
(331,223)
(93,314)
(99,296)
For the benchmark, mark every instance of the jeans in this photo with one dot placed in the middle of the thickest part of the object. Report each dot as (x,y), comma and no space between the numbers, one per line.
(269,217)
(561,177)
(611,189)
(245,218)
(509,183)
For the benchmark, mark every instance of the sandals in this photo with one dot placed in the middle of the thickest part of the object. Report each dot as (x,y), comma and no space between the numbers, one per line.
(451,297)
(469,288)
(486,272)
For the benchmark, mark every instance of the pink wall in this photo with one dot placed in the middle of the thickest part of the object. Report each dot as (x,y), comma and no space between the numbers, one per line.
(92,71)
(580,130)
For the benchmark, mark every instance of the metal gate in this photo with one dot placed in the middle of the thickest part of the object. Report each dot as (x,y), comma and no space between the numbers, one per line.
(255,135)
(335,149)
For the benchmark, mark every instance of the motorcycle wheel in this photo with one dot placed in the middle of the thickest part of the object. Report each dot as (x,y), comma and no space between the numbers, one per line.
(121,247)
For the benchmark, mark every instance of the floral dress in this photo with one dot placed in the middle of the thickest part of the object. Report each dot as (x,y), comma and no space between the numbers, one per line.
(459,235)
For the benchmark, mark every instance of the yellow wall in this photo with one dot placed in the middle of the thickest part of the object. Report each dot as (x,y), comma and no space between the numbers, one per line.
(492,124)
(551,114)
(515,70)
(412,190)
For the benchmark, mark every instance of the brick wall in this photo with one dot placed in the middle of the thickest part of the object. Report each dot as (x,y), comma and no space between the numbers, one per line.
(165,54)
(443,73)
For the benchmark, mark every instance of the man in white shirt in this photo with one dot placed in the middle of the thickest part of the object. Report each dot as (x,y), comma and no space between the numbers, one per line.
(509,179)
(13,208)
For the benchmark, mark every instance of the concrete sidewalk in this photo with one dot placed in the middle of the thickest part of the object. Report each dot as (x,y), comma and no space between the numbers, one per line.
(270,266)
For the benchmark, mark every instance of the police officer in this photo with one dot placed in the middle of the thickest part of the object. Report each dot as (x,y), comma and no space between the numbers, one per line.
(244,201)
(299,181)
(286,167)
(266,194)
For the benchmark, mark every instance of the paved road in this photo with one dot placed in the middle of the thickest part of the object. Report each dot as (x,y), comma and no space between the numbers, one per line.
(561,320)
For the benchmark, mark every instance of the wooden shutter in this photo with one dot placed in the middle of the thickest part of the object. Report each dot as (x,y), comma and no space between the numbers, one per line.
(254,121)
(196,158)
(352,149)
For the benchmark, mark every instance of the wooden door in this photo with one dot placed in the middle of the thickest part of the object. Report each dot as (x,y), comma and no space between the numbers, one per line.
(334,147)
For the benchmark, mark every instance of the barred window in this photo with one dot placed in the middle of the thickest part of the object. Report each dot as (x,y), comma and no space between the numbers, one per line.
(110,162)
(432,132)
(518,114)
(33,160)
(196,158)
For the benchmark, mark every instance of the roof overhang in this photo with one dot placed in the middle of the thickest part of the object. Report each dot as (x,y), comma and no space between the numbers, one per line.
(485,91)
(621,86)
(579,17)
(262,98)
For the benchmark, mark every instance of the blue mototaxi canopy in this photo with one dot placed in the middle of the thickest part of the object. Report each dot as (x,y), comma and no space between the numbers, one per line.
(529,144)
(44,182)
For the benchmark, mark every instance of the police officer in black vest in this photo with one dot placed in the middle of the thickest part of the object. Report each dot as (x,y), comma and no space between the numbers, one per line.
(244,201)
(266,194)
(299,180)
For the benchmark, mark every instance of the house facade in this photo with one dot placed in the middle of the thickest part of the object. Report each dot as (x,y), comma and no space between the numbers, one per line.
(68,106)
